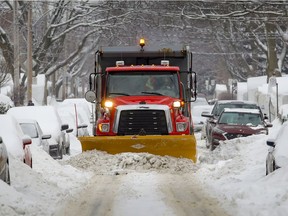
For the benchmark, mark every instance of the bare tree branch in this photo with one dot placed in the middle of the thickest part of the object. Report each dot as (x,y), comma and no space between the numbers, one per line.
(71,56)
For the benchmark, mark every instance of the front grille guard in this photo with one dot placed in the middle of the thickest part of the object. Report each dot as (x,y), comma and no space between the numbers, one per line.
(142,107)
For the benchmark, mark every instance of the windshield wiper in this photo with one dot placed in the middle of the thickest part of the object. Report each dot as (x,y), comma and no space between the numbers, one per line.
(154,93)
(118,93)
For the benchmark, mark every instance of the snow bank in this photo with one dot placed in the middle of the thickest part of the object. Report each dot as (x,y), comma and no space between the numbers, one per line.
(39,190)
(235,174)
(101,163)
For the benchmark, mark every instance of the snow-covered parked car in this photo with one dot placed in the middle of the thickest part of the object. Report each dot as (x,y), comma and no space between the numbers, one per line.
(278,152)
(4,163)
(33,129)
(16,141)
(50,123)
(78,113)
(74,118)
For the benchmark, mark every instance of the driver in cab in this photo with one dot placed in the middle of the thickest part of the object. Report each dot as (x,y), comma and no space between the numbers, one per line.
(160,85)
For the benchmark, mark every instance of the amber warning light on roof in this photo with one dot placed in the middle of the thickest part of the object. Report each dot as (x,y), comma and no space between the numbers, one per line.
(142,42)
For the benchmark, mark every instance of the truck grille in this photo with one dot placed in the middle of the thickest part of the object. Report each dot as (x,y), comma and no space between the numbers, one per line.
(142,122)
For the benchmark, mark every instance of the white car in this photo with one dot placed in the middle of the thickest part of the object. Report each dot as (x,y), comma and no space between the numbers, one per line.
(278,152)
(33,129)
(17,143)
(50,123)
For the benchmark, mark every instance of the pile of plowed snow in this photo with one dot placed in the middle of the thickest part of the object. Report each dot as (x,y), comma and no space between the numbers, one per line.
(103,163)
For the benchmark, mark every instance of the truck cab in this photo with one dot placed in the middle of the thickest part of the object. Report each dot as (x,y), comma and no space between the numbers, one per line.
(145,100)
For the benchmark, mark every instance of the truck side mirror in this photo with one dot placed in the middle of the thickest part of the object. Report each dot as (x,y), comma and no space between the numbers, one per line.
(90,96)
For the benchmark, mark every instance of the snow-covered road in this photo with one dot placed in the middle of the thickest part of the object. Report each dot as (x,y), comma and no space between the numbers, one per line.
(142,194)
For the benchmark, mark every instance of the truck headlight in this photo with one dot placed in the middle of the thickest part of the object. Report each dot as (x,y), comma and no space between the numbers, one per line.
(181,126)
(104,127)
(108,104)
(176,104)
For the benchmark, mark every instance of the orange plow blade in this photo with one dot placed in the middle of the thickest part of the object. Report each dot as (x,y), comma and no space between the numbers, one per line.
(180,146)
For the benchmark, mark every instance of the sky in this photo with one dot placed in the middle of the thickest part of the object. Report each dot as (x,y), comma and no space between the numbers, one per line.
(231,180)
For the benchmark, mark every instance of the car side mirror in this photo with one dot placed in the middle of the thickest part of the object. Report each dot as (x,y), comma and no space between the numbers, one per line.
(271,143)
(82,126)
(69,130)
(64,127)
(206,114)
(46,137)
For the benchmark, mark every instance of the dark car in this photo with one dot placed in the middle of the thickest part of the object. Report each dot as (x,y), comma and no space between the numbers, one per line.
(235,123)
(4,163)
(218,108)
(277,156)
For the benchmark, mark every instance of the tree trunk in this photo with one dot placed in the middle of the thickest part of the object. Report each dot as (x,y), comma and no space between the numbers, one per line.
(271,51)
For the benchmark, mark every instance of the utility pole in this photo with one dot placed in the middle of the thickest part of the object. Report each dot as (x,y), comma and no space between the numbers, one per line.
(45,21)
(29,53)
(16,55)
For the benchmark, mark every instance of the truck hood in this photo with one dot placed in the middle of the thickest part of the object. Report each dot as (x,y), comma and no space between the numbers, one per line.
(151,99)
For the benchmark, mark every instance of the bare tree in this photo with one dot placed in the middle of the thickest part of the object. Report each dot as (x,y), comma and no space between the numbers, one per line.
(65,18)
(250,37)
(4,76)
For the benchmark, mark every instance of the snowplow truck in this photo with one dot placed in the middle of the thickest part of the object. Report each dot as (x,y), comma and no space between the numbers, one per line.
(142,99)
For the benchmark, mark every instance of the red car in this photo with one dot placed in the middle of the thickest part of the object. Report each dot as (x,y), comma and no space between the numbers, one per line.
(218,107)
(235,123)
(16,142)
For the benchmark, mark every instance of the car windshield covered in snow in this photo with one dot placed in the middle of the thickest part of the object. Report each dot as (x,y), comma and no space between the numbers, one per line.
(240,118)
(142,83)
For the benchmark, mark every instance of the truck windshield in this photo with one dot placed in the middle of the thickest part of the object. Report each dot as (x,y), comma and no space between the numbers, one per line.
(142,83)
